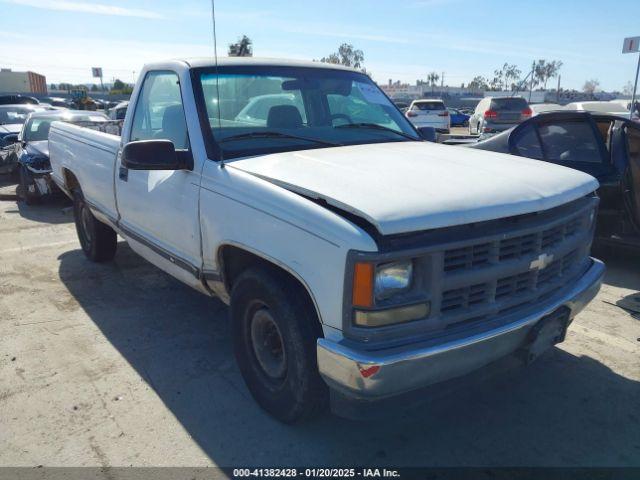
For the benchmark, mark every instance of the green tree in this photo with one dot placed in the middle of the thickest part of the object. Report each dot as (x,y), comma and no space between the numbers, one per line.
(242,48)
(479,83)
(543,71)
(346,55)
(118,84)
(53,87)
(506,77)
(94,88)
(591,86)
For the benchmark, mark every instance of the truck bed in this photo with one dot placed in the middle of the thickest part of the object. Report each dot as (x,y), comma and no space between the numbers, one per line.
(91,156)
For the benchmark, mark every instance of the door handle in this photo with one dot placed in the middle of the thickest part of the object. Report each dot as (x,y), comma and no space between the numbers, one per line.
(123,174)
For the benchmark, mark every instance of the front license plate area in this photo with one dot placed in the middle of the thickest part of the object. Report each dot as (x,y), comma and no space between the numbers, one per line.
(549,331)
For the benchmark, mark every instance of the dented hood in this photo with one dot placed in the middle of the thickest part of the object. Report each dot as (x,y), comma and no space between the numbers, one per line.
(409,186)
(38,148)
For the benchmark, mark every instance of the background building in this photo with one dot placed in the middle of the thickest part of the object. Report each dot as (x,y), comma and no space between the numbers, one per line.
(22,82)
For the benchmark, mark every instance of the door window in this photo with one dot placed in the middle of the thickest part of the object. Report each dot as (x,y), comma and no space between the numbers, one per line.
(570,142)
(527,143)
(159,113)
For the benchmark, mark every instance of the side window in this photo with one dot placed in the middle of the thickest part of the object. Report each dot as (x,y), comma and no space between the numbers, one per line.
(527,143)
(570,142)
(159,113)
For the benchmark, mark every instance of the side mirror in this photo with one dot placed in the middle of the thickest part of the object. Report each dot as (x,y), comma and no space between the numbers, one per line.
(10,139)
(428,134)
(155,155)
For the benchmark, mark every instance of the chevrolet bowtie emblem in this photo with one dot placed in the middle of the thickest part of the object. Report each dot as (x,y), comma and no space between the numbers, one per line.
(541,262)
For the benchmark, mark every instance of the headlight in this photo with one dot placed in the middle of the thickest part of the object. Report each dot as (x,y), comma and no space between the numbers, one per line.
(392,278)
(373,284)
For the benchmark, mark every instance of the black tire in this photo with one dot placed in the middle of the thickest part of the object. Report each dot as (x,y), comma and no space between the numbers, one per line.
(285,380)
(98,241)
(25,180)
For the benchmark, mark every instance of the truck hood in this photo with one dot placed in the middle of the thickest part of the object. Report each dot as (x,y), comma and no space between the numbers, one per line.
(410,186)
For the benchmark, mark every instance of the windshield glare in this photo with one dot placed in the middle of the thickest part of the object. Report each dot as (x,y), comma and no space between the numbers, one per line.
(37,128)
(310,103)
(14,114)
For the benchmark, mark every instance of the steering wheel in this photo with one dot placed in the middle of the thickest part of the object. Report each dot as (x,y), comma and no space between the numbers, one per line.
(336,116)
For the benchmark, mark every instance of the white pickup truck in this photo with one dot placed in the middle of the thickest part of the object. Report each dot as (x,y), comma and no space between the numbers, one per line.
(359,262)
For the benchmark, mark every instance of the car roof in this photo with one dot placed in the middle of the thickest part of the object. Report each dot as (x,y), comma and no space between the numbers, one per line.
(426,100)
(510,97)
(71,114)
(33,106)
(199,62)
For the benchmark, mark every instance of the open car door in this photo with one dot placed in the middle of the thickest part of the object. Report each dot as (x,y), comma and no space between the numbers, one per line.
(631,179)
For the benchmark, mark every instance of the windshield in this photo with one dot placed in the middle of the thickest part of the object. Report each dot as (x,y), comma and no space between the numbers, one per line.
(14,114)
(260,110)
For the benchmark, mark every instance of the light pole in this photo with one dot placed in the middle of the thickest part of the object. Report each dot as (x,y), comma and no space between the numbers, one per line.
(635,86)
(632,45)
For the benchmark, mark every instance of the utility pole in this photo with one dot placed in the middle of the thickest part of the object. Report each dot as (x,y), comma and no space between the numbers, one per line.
(442,81)
(533,67)
(558,89)
(632,45)
(633,97)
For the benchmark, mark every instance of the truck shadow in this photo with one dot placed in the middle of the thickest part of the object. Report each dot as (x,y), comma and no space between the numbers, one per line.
(623,267)
(562,410)
(56,210)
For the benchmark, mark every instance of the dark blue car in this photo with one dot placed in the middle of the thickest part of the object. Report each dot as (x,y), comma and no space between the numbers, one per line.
(458,119)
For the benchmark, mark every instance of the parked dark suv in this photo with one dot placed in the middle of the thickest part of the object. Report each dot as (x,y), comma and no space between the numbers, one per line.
(18,100)
(497,114)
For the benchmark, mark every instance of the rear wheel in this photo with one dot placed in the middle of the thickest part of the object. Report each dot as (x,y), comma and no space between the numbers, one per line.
(275,330)
(98,241)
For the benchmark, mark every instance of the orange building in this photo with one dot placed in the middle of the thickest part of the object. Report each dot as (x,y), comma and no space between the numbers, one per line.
(22,82)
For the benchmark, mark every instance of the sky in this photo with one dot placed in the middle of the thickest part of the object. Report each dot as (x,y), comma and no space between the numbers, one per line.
(401,40)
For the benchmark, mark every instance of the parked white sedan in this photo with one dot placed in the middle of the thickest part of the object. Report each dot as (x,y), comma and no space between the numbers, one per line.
(429,113)
(611,108)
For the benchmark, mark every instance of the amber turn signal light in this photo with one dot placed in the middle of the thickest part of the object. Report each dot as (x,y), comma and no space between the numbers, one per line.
(363,285)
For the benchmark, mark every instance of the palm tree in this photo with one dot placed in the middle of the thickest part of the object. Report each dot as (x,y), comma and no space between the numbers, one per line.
(433,78)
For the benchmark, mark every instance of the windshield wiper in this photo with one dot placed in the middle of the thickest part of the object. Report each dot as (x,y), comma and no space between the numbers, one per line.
(375,126)
(271,134)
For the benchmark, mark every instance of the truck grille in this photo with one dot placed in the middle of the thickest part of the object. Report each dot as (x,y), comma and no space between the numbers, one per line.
(501,273)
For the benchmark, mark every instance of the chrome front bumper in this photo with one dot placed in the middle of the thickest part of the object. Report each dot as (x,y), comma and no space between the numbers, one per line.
(376,374)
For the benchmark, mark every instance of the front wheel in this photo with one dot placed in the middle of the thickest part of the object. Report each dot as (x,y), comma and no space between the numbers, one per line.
(98,241)
(28,190)
(275,329)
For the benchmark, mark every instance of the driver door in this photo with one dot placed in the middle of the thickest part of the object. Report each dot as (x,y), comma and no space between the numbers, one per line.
(159,208)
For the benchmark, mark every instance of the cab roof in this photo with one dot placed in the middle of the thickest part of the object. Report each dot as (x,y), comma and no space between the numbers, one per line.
(200,62)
